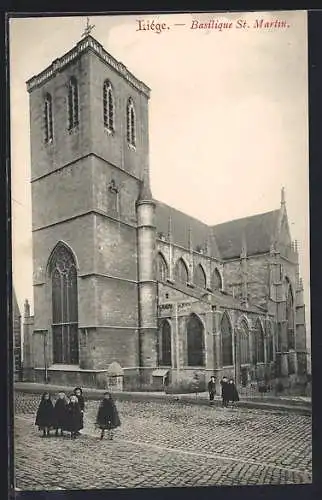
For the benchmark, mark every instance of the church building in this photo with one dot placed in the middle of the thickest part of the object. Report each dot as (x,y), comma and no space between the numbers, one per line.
(120,277)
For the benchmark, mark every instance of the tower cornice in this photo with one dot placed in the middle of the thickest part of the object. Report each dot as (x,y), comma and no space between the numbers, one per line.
(87,43)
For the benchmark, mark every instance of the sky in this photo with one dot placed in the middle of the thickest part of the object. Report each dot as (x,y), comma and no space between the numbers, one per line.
(228,115)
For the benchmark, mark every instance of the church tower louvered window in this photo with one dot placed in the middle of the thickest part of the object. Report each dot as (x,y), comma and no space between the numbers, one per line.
(73,105)
(108,106)
(131,123)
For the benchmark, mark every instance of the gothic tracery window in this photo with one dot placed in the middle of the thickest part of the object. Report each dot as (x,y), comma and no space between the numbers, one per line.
(195,341)
(64,306)
(48,118)
(131,123)
(165,343)
(108,106)
(290,318)
(244,345)
(216,281)
(226,341)
(259,343)
(162,268)
(181,271)
(73,107)
(199,277)
(270,341)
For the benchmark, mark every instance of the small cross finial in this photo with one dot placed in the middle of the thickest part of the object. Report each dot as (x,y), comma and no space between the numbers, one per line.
(89,27)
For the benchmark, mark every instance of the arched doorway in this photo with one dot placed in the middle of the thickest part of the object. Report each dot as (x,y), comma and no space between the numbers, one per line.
(63,273)
(195,341)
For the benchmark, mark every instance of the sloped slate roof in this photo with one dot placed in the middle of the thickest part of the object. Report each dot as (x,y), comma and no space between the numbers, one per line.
(201,233)
(258,231)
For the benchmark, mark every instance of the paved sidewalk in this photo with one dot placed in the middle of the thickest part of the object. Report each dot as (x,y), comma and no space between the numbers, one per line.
(300,405)
(165,445)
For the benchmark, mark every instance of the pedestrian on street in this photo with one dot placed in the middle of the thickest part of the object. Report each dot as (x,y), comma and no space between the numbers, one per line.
(107,416)
(60,413)
(224,391)
(232,392)
(45,414)
(212,389)
(74,417)
(78,391)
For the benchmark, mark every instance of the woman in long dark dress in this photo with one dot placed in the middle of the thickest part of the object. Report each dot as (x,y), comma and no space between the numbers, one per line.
(107,416)
(60,413)
(78,391)
(73,417)
(233,393)
(45,414)
(224,391)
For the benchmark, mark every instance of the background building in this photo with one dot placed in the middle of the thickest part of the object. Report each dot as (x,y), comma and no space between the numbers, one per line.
(121,277)
(17,340)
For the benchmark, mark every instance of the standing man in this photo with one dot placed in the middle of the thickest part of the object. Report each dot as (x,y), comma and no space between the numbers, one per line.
(224,391)
(212,389)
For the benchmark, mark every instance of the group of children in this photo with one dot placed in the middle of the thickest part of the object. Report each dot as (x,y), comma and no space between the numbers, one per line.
(229,391)
(67,414)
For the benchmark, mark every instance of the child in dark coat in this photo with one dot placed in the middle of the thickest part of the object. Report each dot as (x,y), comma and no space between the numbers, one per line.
(60,413)
(224,391)
(74,417)
(107,416)
(78,391)
(45,414)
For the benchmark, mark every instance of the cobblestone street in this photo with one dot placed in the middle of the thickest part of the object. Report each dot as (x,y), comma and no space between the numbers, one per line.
(164,444)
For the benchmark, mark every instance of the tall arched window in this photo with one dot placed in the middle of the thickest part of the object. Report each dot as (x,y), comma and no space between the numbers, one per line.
(63,273)
(195,341)
(216,281)
(269,336)
(162,268)
(199,276)
(290,317)
(73,107)
(226,341)
(244,345)
(48,118)
(181,271)
(259,343)
(165,343)
(108,106)
(131,123)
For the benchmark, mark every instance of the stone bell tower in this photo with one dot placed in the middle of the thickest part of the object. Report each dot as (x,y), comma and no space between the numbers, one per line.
(92,209)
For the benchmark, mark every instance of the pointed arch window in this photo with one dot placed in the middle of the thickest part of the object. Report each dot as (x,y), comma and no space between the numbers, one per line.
(195,341)
(162,268)
(165,343)
(259,343)
(48,118)
(244,345)
(63,273)
(199,277)
(226,341)
(216,280)
(290,317)
(73,105)
(181,272)
(270,341)
(108,106)
(131,123)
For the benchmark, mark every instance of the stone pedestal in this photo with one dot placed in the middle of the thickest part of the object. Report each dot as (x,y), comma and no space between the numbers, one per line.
(115,377)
